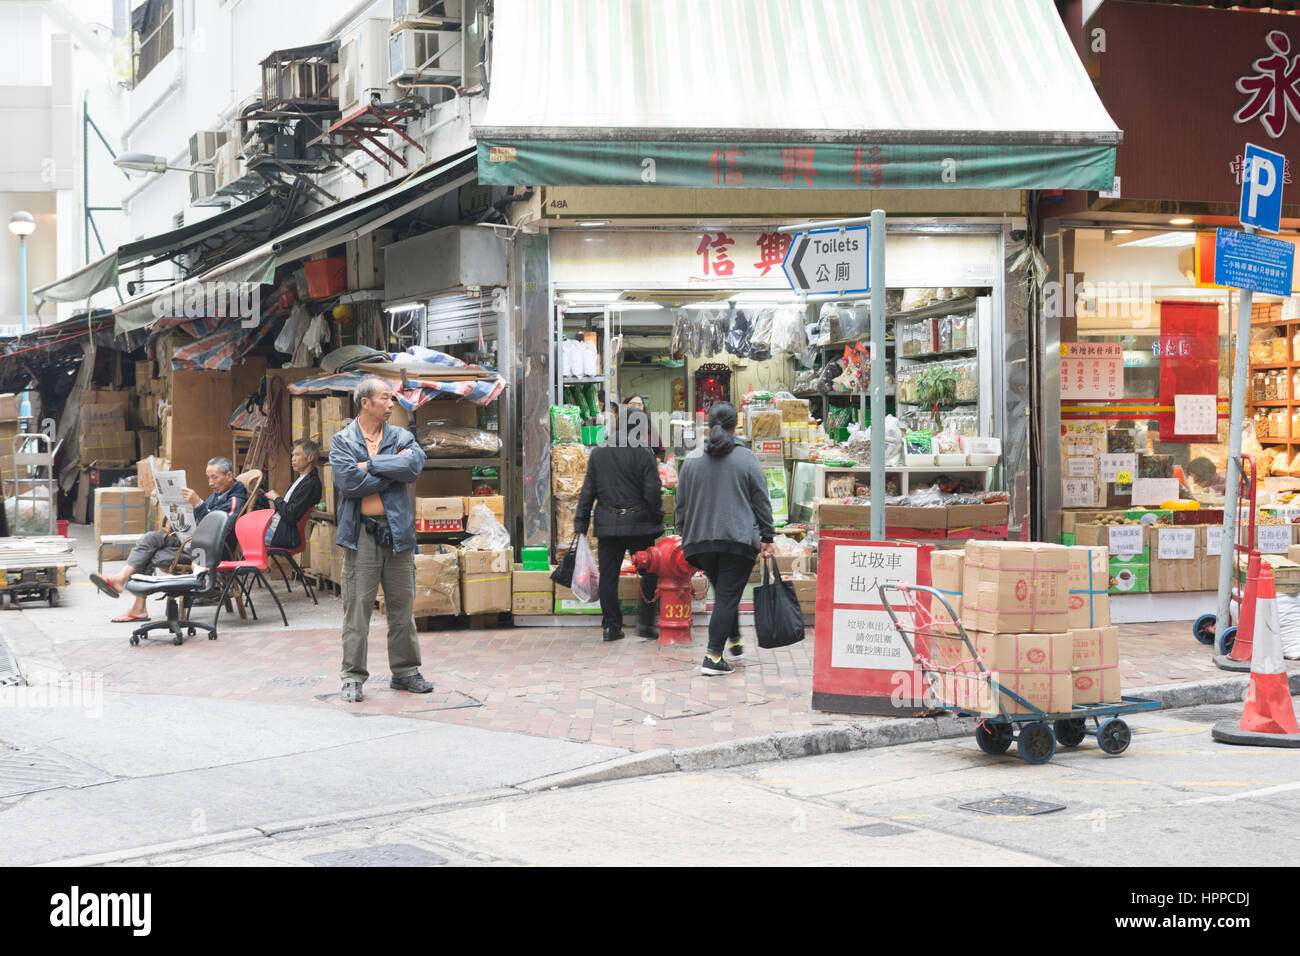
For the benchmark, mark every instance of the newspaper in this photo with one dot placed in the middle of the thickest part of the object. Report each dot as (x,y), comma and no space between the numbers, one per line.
(178,512)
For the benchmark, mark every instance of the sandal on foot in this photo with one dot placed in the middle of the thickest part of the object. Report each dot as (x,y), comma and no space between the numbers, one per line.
(104,586)
(128,618)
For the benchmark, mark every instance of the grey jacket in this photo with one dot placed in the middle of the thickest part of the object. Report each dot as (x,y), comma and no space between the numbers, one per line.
(388,475)
(722,503)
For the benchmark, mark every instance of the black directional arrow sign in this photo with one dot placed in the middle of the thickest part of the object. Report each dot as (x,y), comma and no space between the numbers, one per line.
(829,260)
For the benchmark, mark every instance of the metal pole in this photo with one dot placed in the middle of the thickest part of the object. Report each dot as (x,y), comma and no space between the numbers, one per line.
(22,268)
(1232,491)
(877,273)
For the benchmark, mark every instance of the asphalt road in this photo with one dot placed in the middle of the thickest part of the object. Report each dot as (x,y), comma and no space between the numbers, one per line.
(1176,798)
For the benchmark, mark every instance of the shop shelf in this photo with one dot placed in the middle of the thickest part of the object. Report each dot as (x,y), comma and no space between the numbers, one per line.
(939,308)
(431,463)
(923,356)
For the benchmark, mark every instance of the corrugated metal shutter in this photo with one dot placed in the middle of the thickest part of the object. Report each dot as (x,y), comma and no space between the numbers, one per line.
(455,319)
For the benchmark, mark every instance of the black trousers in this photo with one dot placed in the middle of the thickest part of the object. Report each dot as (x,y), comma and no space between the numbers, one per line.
(609,558)
(728,573)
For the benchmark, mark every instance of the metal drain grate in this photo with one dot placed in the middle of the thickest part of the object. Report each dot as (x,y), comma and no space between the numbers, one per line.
(9,673)
(1006,806)
(1209,714)
(30,771)
(393,854)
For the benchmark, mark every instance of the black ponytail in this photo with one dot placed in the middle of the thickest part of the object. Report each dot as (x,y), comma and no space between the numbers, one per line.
(722,422)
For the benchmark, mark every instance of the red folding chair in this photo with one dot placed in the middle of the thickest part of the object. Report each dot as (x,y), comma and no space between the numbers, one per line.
(287,553)
(250,530)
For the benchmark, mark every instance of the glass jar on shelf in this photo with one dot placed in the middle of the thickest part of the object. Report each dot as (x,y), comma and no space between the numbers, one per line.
(1257,387)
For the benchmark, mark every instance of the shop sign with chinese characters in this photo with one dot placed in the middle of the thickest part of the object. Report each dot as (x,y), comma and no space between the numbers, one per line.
(860,663)
(1092,370)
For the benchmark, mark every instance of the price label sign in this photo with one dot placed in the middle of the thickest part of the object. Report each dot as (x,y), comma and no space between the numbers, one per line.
(1214,541)
(1082,468)
(1273,538)
(1085,450)
(1080,494)
(1154,491)
(1178,544)
(1126,540)
(1118,468)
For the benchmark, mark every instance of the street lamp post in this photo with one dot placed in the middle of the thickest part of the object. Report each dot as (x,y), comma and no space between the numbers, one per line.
(23,224)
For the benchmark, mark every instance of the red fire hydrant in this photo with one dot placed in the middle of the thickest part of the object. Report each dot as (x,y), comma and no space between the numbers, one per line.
(665,559)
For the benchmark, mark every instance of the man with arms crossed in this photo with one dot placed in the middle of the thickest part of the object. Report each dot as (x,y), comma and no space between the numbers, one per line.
(373,463)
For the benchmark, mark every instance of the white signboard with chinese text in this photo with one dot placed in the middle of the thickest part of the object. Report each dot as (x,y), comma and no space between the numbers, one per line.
(1080,493)
(1214,541)
(1273,538)
(868,639)
(860,569)
(1125,539)
(1176,543)
(1154,491)
(1196,414)
(830,260)
(1119,467)
(1082,468)
(1092,370)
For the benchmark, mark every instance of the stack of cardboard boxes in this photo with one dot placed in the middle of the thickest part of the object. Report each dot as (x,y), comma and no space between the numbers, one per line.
(941,523)
(485,581)
(8,431)
(120,511)
(104,436)
(1037,620)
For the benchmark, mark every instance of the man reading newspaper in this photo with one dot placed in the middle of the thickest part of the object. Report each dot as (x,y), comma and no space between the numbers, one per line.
(158,549)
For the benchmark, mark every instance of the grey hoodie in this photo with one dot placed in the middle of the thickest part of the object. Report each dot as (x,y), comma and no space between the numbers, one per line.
(722,503)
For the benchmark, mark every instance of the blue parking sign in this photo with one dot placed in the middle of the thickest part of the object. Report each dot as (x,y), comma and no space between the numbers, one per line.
(1261,188)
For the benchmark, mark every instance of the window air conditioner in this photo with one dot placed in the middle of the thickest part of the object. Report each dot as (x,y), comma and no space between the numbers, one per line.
(204,145)
(229,165)
(363,62)
(432,54)
(202,186)
(434,9)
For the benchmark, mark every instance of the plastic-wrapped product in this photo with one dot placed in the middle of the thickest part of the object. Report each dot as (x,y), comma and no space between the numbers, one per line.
(566,425)
(456,441)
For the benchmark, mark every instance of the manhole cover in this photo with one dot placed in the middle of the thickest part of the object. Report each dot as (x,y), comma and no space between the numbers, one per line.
(1210,714)
(393,854)
(9,673)
(1012,806)
(877,830)
(29,771)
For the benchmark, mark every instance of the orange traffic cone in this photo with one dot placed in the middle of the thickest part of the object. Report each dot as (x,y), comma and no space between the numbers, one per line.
(1268,719)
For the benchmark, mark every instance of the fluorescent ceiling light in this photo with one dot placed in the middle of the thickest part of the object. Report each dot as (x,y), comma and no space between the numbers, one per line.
(592,223)
(403,306)
(745,298)
(1164,240)
(642,306)
(1181,221)
(590,298)
(1120,232)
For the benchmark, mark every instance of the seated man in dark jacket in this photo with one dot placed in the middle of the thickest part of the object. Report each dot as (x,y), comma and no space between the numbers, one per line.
(302,496)
(159,548)
(623,481)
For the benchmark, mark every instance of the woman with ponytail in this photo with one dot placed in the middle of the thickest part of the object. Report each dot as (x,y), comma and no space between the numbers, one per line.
(724,517)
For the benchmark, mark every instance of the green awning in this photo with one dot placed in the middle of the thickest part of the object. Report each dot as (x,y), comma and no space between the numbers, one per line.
(791,94)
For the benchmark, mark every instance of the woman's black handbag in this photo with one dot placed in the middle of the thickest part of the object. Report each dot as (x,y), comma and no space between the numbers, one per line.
(777,618)
(563,575)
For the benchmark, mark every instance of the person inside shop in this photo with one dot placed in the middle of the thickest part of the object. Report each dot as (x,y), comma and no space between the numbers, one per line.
(1204,476)
(724,517)
(656,445)
(158,549)
(303,495)
(623,484)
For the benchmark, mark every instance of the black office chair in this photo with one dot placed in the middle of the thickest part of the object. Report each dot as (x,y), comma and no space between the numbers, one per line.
(181,589)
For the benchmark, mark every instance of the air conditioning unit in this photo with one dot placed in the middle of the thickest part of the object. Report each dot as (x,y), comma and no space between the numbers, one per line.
(202,186)
(363,65)
(431,9)
(431,54)
(229,165)
(204,145)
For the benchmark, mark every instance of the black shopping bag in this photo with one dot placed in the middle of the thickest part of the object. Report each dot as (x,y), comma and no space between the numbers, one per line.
(777,617)
(563,575)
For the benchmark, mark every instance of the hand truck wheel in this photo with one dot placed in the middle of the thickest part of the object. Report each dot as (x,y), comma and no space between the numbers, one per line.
(993,738)
(1037,742)
(1203,629)
(1070,732)
(1114,736)
(1228,640)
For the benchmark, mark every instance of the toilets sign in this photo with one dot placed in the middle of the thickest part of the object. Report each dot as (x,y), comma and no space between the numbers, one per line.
(829,260)
(1261,188)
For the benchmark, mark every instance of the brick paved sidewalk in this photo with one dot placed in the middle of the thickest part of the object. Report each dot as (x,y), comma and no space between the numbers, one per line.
(549,682)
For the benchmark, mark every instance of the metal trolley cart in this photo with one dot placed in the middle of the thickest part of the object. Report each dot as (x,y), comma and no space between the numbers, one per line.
(1037,733)
(1205,625)
(33,569)
(34,562)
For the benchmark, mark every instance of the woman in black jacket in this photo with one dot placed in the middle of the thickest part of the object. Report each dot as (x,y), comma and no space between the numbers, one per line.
(623,481)
(302,496)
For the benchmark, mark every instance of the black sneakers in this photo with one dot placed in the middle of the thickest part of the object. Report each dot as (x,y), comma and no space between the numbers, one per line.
(736,646)
(352,692)
(415,683)
(716,668)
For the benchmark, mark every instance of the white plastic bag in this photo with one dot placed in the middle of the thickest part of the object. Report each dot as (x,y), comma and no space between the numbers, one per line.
(586,576)
(486,532)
